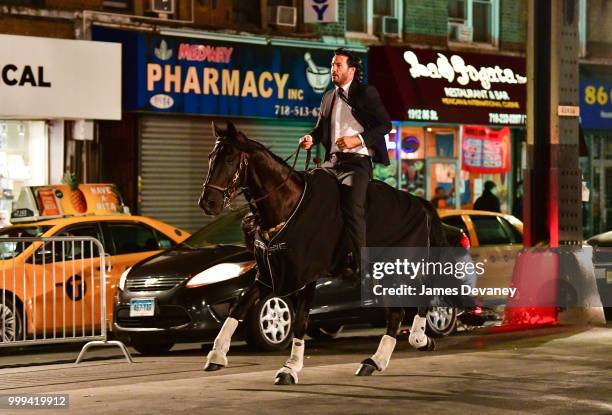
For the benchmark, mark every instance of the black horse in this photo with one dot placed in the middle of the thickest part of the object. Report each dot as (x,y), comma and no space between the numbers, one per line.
(276,192)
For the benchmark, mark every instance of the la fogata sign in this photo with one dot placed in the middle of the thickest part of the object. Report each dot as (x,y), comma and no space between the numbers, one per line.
(476,86)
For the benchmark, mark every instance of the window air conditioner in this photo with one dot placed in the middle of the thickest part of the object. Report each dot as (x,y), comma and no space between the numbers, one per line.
(286,16)
(162,6)
(459,32)
(390,26)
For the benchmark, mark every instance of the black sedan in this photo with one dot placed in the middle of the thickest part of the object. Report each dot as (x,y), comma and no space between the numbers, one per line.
(185,293)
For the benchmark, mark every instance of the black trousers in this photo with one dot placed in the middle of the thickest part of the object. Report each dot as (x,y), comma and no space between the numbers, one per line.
(354,172)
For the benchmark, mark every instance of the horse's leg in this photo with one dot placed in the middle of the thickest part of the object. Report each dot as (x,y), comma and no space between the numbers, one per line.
(217,357)
(288,374)
(418,339)
(380,360)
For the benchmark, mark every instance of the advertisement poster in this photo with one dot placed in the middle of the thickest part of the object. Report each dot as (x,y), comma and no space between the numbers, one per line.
(486,150)
(39,202)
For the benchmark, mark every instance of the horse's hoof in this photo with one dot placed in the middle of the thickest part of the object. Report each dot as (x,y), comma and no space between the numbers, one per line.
(365,370)
(212,367)
(284,378)
(429,347)
(367,367)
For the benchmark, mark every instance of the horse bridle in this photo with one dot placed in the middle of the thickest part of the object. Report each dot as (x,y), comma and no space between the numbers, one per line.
(230,192)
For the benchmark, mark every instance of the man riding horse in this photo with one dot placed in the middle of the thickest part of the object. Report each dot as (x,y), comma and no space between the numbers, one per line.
(352,126)
(292,208)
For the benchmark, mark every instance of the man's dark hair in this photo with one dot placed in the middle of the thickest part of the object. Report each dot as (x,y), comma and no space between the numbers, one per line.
(353,61)
(489,185)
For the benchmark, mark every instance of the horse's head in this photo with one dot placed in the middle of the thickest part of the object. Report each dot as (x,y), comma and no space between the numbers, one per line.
(226,168)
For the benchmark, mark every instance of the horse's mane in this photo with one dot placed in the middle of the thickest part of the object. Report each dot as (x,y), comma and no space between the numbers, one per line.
(269,152)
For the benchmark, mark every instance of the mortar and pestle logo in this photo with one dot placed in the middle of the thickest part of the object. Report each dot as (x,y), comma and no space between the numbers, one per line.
(318,76)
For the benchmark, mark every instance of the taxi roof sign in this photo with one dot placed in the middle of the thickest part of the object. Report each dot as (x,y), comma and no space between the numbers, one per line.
(56,201)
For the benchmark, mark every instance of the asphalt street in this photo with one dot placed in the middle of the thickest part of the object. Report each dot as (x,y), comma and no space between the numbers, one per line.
(555,370)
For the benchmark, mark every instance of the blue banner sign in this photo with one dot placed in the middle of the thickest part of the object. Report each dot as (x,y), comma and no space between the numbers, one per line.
(202,76)
(595,104)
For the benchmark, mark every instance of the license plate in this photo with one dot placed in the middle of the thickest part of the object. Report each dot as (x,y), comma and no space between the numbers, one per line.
(142,307)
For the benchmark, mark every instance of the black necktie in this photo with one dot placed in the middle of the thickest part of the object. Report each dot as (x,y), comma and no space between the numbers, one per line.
(338,93)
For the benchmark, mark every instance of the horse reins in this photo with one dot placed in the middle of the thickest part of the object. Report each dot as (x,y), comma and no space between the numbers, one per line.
(230,193)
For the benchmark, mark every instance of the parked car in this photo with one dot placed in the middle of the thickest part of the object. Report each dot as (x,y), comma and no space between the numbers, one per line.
(496,238)
(602,261)
(126,240)
(185,293)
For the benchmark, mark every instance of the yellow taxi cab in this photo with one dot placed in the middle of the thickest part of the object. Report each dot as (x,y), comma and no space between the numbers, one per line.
(53,289)
(496,239)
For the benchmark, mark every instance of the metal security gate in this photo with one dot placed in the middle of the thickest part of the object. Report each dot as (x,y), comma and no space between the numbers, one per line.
(174,161)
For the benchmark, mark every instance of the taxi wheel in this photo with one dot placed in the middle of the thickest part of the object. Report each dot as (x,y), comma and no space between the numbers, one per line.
(152,348)
(11,327)
(270,324)
(441,321)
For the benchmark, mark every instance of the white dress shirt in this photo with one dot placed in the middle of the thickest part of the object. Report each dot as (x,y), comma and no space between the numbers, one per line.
(344,124)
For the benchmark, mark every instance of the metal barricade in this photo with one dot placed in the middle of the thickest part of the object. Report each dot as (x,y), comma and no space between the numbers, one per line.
(54,290)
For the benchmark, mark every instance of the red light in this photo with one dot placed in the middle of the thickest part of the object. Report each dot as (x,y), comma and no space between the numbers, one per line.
(464,241)
(477,311)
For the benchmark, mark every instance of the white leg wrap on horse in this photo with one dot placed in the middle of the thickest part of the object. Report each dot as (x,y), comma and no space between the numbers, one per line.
(418,338)
(218,354)
(295,363)
(383,354)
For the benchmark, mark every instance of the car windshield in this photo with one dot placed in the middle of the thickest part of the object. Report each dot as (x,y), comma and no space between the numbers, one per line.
(223,231)
(12,249)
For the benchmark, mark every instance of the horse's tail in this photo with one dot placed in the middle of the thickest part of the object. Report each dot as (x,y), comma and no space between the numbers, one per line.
(437,237)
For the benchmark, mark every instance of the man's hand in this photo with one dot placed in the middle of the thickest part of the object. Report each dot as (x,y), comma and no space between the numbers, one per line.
(348,141)
(306,142)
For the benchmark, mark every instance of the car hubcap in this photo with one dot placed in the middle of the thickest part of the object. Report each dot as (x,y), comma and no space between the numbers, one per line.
(440,318)
(7,324)
(275,320)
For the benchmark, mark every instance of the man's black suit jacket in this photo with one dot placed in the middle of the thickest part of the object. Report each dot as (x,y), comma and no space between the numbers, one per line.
(368,110)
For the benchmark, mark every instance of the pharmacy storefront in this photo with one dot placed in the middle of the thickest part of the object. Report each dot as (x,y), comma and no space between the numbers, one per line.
(43,82)
(458,121)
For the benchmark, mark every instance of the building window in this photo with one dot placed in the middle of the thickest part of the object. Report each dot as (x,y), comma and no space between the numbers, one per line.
(474,21)
(356,16)
(373,17)
(247,14)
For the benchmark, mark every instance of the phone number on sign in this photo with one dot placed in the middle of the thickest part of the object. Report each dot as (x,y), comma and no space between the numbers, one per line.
(295,111)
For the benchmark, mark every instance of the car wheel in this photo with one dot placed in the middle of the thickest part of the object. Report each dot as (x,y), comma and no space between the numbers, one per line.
(270,324)
(324,332)
(441,321)
(152,348)
(11,323)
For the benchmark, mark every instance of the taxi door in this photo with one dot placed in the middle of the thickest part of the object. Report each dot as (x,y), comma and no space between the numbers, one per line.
(71,273)
(497,246)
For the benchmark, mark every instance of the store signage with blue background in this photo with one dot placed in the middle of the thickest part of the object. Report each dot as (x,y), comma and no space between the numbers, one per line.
(595,104)
(201,76)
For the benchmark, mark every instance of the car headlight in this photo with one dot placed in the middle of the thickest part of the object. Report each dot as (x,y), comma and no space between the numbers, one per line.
(123,278)
(220,272)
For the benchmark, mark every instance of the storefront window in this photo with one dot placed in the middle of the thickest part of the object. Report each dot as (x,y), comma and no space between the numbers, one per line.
(23,160)
(412,156)
(388,174)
